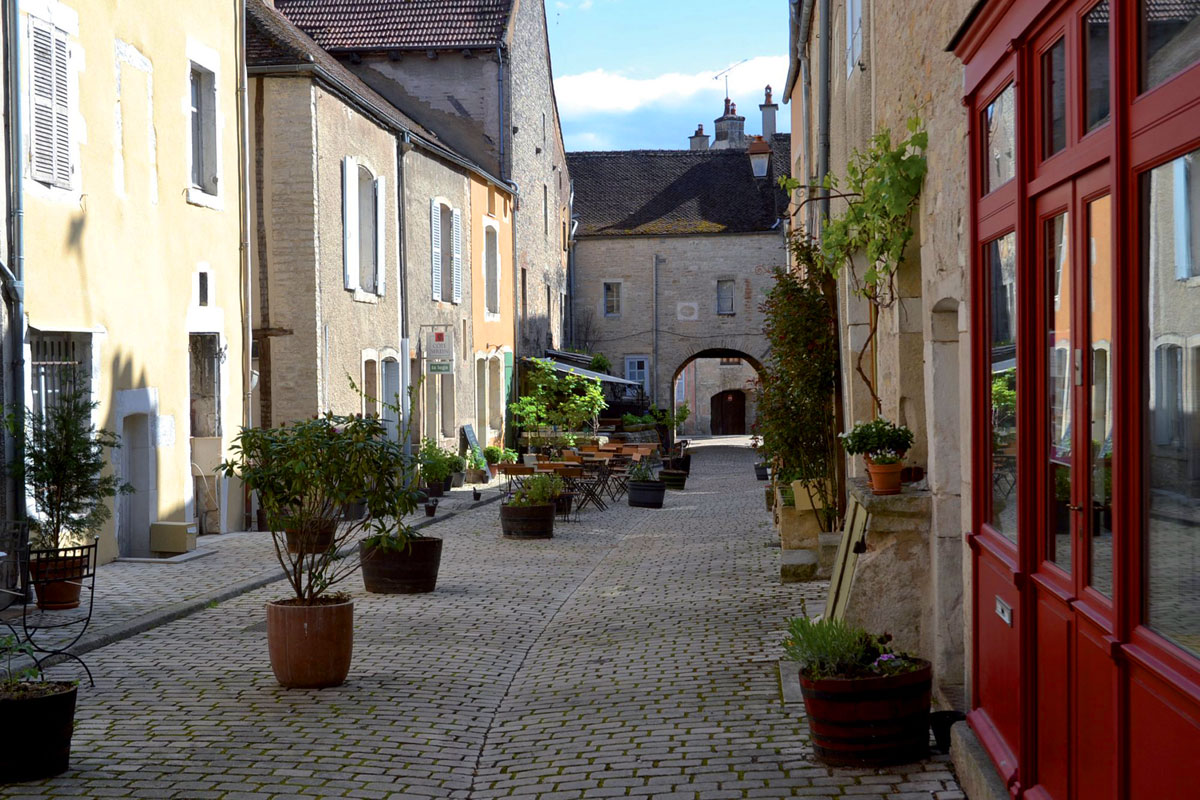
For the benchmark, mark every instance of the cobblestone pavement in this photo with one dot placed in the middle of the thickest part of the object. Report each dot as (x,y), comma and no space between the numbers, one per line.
(633,655)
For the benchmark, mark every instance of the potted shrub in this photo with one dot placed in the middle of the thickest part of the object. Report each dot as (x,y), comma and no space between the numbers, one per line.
(529,513)
(477,468)
(866,705)
(458,467)
(435,467)
(878,437)
(64,471)
(644,490)
(44,713)
(304,475)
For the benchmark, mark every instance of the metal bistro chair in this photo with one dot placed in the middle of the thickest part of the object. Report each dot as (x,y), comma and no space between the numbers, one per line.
(53,632)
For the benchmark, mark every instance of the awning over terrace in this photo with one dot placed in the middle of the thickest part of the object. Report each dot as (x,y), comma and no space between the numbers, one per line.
(587,373)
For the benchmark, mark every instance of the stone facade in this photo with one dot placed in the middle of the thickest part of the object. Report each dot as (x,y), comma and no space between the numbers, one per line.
(689,327)
(702,380)
(921,357)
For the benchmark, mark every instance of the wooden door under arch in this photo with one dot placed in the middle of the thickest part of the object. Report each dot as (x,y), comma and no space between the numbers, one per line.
(728,410)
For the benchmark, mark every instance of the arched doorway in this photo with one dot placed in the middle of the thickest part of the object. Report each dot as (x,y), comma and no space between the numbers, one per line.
(727,413)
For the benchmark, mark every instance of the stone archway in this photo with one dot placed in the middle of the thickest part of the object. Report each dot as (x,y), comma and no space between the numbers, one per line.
(715,375)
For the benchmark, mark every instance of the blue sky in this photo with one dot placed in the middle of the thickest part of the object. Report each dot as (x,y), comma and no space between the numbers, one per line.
(638,74)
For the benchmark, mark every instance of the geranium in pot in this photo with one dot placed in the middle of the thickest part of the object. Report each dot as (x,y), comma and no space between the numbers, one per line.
(44,713)
(644,489)
(866,705)
(64,471)
(529,513)
(304,475)
(879,437)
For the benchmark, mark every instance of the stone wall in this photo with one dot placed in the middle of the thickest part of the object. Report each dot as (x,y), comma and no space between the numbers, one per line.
(687,320)
(706,377)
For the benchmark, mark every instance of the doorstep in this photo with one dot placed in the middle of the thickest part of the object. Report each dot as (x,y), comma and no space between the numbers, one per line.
(976,774)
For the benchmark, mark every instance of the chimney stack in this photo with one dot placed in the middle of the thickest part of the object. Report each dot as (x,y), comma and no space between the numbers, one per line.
(699,139)
(731,129)
(768,109)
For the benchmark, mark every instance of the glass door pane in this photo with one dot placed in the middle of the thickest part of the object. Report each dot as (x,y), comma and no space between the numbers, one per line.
(1059,381)
(1100,323)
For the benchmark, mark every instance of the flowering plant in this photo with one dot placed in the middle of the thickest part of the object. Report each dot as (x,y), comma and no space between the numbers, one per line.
(829,648)
(877,436)
(886,457)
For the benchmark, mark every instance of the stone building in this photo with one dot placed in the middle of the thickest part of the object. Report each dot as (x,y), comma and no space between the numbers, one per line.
(370,235)
(477,72)
(1043,350)
(674,253)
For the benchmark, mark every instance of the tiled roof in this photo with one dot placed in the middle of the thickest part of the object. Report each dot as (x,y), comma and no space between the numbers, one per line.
(400,24)
(273,41)
(673,192)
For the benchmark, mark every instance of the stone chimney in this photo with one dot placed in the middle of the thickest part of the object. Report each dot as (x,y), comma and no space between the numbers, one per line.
(731,129)
(768,110)
(699,139)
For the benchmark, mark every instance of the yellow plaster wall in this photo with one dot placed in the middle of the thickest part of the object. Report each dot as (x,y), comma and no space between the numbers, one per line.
(491,336)
(117,253)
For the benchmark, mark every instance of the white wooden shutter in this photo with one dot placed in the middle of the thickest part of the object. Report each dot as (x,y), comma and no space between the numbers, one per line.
(42,82)
(457,256)
(62,113)
(380,238)
(350,243)
(435,237)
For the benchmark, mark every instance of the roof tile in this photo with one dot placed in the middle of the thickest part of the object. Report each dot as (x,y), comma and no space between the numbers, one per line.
(400,24)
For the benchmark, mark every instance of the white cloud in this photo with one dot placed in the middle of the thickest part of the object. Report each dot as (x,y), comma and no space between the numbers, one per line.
(561,6)
(587,140)
(601,91)
(585,5)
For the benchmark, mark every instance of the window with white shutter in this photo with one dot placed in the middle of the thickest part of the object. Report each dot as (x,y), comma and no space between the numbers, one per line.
(457,265)
(368,265)
(50,134)
(435,238)
(350,233)
(380,238)
(204,129)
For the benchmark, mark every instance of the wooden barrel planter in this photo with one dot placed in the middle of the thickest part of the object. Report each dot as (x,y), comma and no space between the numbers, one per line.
(674,478)
(413,570)
(869,722)
(317,540)
(435,488)
(45,722)
(527,522)
(646,494)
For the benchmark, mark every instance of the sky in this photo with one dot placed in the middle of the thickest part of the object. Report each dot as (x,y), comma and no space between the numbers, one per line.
(638,74)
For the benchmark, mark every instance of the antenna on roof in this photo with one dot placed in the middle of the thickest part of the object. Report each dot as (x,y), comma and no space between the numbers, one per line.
(725,72)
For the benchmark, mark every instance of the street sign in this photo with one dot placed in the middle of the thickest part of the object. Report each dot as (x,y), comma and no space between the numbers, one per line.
(439,367)
(439,345)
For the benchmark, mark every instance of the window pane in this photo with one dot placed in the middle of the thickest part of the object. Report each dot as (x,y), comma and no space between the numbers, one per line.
(1172,446)
(1001,255)
(724,297)
(1101,279)
(1095,42)
(366,230)
(1054,99)
(999,152)
(1170,39)
(1057,267)
(612,298)
(491,271)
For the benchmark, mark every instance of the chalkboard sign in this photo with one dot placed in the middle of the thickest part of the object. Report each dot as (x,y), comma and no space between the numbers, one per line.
(468,433)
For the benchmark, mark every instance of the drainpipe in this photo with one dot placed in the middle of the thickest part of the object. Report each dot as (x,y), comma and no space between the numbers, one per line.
(243,125)
(823,104)
(514,391)
(500,105)
(14,270)
(402,148)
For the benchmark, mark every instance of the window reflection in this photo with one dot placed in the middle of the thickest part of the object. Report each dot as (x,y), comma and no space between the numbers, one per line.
(1059,373)
(1001,259)
(1170,39)
(1101,324)
(1054,99)
(1095,39)
(999,119)
(1171,208)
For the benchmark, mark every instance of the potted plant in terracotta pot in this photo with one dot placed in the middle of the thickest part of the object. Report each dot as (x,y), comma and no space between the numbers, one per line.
(64,471)
(529,513)
(304,474)
(43,711)
(866,704)
(435,467)
(477,468)
(644,490)
(882,438)
(884,469)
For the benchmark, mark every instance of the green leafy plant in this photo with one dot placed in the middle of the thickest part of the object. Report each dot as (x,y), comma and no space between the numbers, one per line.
(436,462)
(64,469)
(457,463)
(641,471)
(600,363)
(306,473)
(537,490)
(557,398)
(877,436)
(476,461)
(829,648)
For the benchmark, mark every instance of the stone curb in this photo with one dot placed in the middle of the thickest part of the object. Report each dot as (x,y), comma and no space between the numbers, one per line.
(184,608)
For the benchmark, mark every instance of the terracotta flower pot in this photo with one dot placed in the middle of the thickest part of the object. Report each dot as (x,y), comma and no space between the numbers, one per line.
(310,646)
(885,478)
(869,721)
(46,722)
(56,581)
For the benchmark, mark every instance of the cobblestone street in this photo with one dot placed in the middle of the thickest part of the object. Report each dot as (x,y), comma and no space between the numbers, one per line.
(633,655)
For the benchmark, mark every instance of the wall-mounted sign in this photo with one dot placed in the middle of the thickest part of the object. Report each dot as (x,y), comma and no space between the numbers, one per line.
(439,367)
(439,345)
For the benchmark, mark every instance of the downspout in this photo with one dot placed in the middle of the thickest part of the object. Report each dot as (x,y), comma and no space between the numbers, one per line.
(243,122)
(402,148)
(14,269)
(823,104)
(500,106)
